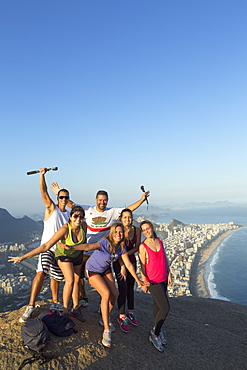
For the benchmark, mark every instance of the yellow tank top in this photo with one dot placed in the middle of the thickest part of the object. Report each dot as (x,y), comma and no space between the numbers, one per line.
(60,251)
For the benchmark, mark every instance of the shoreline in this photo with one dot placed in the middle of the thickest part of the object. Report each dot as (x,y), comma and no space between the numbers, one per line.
(198,285)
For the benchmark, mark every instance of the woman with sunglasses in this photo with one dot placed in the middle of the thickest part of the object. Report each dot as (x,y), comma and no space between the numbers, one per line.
(124,278)
(99,273)
(69,261)
(155,271)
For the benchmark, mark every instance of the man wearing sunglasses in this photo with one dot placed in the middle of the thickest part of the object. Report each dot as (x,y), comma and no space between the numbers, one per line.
(55,217)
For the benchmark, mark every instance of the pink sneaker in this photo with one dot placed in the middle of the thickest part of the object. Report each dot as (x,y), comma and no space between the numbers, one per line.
(124,324)
(131,318)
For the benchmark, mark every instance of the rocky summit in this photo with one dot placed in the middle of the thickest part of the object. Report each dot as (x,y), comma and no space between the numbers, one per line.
(202,334)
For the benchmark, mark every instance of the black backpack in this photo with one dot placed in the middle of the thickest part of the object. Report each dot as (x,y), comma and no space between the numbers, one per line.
(59,324)
(35,335)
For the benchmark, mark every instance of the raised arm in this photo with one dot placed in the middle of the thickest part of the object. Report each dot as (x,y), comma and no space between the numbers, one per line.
(60,234)
(137,204)
(55,188)
(48,202)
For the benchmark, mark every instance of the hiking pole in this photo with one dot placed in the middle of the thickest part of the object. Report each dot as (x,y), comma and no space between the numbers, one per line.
(37,171)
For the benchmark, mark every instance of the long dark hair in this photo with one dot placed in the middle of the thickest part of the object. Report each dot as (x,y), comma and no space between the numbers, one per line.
(151,225)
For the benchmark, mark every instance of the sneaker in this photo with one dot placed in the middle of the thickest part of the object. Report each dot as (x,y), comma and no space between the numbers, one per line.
(161,336)
(106,340)
(27,314)
(156,342)
(56,306)
(124,324)
(131,317)
(76,313)
(112,327)
(83,302)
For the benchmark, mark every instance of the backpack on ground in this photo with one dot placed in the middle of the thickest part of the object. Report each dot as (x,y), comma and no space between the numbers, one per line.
(35,335)
(59,324)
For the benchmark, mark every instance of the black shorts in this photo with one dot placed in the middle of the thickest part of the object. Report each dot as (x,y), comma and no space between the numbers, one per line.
(76,261)
(92,273)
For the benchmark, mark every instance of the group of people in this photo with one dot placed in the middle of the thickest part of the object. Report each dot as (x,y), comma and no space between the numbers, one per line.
(87,243)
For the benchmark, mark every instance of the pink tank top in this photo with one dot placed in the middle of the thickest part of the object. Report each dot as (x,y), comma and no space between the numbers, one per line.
(156,268)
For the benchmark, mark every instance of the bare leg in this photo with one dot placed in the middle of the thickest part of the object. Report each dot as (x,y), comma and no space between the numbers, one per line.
(67,269)
(109,280)
(54,285)
(36,287)
(75,293)
(105,286)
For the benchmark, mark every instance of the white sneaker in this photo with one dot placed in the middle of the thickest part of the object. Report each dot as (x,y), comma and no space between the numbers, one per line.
(27,314)
(56,306)
(106,340)
(112,327)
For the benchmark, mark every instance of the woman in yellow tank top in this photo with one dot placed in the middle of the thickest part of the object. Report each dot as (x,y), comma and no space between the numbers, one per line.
(69,261)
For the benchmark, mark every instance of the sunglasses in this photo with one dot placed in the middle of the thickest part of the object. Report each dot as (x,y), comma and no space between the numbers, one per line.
(78,216)
(63,197)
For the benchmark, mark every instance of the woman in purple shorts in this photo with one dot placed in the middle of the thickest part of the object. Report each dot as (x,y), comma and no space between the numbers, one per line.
(99,273)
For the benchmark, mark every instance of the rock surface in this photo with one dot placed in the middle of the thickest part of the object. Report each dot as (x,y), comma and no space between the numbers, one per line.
(202,334)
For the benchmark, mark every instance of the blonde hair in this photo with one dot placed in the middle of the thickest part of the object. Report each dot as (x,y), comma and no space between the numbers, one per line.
(112,245)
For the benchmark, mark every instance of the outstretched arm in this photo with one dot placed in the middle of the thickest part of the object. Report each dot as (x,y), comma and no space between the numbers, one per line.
(137,204)
(60,234)
(81,247)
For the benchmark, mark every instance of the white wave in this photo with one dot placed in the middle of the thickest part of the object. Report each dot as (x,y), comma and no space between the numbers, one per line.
(212,288)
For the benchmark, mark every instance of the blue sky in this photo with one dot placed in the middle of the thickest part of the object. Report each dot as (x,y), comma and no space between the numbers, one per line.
(123,93)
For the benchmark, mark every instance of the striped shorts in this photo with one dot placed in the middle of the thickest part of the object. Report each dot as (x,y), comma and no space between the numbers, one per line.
(48,264)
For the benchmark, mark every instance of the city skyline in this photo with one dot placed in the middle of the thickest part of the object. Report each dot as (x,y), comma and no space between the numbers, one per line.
(123,94)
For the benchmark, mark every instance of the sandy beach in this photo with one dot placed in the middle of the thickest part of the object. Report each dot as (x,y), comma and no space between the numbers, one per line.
(198,286)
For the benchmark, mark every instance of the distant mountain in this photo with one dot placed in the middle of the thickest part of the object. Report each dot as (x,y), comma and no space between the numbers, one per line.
(175,223)
(17,230)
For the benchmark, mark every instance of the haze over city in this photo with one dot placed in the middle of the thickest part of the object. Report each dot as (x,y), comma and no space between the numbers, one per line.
(119,94)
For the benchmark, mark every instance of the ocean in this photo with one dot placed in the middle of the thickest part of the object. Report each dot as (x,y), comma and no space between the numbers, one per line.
(226,272)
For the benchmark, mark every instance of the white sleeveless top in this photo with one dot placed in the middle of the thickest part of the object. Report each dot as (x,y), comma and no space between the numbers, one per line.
(56,220)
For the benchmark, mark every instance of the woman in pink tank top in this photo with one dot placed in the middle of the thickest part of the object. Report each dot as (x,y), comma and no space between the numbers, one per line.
(155,271)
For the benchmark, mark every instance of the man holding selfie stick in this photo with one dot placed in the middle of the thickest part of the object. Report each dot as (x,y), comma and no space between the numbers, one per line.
(55,217)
